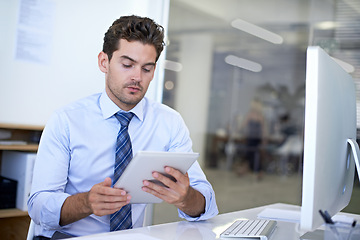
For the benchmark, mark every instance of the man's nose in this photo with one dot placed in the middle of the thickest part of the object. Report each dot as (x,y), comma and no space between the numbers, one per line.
(136,74)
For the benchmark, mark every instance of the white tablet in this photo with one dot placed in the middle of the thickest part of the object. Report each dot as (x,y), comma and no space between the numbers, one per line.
(142,166)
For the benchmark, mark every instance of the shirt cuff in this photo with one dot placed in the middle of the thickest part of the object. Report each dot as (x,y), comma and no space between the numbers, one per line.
(51,210)
(211,209)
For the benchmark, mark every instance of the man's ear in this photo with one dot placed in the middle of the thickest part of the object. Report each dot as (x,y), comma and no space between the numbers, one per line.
(103,62)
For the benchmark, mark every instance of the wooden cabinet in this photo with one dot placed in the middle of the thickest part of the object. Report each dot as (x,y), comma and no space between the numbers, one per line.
(14,223)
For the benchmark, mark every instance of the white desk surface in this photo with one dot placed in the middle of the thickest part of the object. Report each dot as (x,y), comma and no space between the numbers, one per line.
(205,230)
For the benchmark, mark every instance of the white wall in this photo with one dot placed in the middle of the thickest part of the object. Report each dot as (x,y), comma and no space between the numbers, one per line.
(193,87)
(63,66)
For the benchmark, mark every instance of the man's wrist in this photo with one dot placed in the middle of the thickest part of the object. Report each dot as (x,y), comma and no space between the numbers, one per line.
(86,203)
(75,208)
(194,203)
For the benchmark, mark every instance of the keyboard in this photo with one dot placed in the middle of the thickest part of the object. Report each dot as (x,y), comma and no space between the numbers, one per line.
(257,229)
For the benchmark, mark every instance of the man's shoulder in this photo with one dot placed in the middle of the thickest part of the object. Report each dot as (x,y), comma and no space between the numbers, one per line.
(159,108)
(82,104)
(77,113)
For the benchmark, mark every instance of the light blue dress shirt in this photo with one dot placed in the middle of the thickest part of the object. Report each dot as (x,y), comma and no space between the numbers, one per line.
(77,150)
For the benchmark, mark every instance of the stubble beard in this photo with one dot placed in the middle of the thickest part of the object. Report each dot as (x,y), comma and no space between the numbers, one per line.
(127,100)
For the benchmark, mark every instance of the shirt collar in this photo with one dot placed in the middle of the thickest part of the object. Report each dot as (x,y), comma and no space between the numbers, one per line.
(109,108)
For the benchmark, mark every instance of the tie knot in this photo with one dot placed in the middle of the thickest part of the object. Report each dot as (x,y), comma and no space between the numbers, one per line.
(124,118)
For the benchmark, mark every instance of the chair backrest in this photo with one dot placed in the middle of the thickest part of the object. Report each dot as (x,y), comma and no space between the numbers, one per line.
(149,214)
(31,231)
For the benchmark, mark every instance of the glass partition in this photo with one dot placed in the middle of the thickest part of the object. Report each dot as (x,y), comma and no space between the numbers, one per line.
(236,72)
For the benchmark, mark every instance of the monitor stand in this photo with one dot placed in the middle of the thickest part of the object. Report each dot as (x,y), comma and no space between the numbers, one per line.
(319,234)
(356,153)
(315,235)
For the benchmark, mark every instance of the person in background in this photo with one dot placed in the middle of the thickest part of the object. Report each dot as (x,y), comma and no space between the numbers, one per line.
(72,189)
(255,137)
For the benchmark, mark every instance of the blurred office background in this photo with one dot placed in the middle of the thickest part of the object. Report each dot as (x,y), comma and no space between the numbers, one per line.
(247,122)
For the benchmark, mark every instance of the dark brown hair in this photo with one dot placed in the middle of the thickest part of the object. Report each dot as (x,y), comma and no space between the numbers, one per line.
(134,28)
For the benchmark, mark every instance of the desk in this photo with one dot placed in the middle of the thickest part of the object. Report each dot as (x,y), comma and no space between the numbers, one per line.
(204,230)
(238,147)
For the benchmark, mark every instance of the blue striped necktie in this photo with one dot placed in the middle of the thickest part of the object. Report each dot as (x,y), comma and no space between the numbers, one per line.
(122,219)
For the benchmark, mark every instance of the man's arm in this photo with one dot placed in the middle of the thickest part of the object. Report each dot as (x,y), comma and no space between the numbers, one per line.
(101,200)
(178,193)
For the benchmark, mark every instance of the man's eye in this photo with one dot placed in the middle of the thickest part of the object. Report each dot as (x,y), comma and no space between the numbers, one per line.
(127,66)
(146,70)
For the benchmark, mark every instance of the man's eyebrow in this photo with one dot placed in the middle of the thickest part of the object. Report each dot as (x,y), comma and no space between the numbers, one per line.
(128,58)
(133,60)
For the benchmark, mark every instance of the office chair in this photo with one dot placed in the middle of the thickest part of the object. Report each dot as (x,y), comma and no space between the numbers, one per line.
(149,214)
(31,231)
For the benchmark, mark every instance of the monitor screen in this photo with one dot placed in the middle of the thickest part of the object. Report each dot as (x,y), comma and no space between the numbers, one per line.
(330,120)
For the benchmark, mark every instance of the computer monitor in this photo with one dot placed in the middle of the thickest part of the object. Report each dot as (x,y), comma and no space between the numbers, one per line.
(329,139)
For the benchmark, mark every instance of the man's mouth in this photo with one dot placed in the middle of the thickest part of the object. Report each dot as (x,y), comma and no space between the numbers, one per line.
(134,88)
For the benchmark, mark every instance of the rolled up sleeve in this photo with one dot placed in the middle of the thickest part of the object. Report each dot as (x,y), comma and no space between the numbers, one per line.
(45,211)
(50,175)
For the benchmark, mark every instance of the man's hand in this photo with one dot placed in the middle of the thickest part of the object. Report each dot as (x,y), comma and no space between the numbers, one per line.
(104,200)
(101,200)
(178,192)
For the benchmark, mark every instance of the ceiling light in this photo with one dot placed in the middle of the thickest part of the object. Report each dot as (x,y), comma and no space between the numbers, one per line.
(257,31)
(243,63)
(172,66)
(169,85)
(327,25)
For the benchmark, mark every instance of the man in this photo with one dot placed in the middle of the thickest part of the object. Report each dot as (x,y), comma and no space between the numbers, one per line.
(74,172)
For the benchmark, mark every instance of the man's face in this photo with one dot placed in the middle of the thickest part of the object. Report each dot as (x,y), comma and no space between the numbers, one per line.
(129,72)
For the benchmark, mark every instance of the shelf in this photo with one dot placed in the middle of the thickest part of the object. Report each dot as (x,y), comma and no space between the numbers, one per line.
(22,147)
(12,212)
(16,137)
(21,127)
(20,137)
